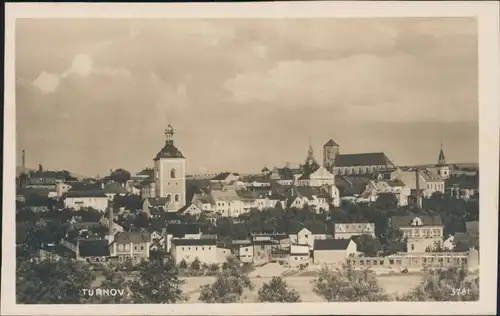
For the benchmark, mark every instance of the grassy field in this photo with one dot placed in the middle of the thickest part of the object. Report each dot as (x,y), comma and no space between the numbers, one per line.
(394,284)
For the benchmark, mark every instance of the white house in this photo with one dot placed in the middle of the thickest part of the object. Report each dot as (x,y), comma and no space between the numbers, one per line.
(227,203)
(299,255)
(190,249)
(308,236)
(190,209)
(86,199)
(318,178)
(349,230)
(333,251)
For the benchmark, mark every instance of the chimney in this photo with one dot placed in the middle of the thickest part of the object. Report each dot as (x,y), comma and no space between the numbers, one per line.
(417,182)
(77,252)
(24,162)
(111,235)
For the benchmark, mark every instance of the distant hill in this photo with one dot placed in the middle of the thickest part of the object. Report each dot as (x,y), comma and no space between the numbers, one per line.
(19,170)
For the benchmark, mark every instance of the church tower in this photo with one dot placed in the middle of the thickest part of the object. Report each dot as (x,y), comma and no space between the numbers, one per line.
(310,164)
(330,152)
(170,173)
(443,169)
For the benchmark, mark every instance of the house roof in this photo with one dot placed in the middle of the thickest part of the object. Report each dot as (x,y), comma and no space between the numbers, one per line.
(331,244)
(60,175)
(86,193)
(225,195)
(114,188)
(463,181)
(331,142)
(146,172)
(134,237)
(405,221)
(160,201)
(351,185)
(364,159)
(195,242)
(169,151)
(93,248)
(185,207)
(223,176)
(181,230)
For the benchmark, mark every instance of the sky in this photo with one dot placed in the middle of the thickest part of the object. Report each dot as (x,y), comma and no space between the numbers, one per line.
(95,95)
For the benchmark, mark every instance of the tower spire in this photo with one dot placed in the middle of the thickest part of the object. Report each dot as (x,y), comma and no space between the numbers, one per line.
(441,158)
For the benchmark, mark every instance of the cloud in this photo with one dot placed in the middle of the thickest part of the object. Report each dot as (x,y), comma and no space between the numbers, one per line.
(362,86)
(82,65)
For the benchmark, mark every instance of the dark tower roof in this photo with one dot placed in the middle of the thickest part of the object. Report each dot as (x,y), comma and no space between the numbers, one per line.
(441,158)
(331,142)
(169,150)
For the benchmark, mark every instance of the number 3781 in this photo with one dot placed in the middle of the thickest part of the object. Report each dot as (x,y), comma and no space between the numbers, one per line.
(459,292)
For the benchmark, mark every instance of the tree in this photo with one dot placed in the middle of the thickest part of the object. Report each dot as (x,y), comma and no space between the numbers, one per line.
(347,285)
(183,264)
(158,283)
(196,265)
(445,285)
(119,175)
(51,281)
(90,215)
(141,220)
(392,241)
(386,201)
(229,285)
(368,245)
(277,291)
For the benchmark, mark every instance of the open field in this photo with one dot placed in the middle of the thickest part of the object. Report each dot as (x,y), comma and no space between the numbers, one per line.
(394,284)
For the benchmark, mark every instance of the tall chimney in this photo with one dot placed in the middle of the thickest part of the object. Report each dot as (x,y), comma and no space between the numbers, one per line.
(111,235)
(24,162)
(417,181)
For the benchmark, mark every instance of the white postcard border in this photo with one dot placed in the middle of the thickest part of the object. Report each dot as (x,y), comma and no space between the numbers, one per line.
(486,13)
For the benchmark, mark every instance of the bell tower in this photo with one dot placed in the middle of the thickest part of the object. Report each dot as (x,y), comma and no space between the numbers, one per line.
(443,169)
(170,173)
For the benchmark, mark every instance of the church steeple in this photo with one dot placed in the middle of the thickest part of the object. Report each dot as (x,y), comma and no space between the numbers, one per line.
(169,134)
(441,158)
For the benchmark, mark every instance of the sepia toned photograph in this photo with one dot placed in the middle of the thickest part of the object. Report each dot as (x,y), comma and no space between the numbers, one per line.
(213,164)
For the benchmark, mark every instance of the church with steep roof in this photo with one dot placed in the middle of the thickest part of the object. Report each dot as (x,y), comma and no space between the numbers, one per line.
(353,164)
(168,181)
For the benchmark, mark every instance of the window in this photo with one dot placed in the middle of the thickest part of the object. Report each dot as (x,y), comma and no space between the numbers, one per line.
(189,248)
(391,261)
(142,247)
(209,248)
(381,262)
(135,247)
(97,259)
(368,262)
(246,249)
(172,173)
(120,247)
(412,247)
(177,197)
(196,248)
(182,248)
(127,247)
(375,262)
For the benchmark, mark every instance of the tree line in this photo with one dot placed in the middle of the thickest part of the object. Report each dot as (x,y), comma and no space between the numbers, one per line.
(52,281)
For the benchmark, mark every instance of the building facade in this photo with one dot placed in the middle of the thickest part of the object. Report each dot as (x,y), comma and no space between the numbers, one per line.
(422,232)
(170,173)
(349,230)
